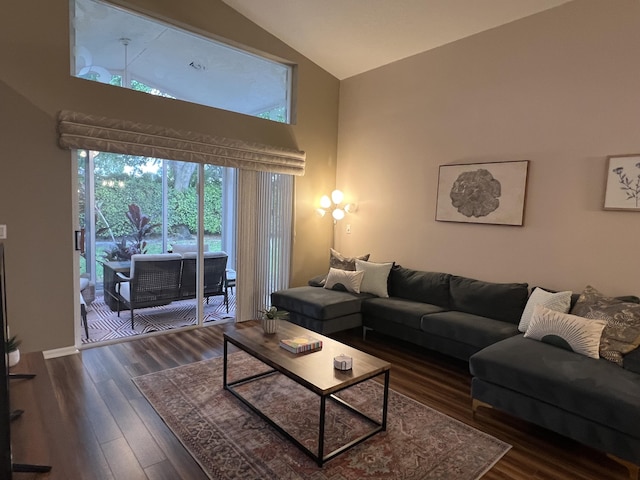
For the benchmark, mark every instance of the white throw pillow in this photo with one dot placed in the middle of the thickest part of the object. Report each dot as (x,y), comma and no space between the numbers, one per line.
(560,302)
(580,335)
(350,280)
(375,277)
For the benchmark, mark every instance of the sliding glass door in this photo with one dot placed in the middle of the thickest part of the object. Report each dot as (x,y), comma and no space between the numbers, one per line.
(207,214)
(139,205)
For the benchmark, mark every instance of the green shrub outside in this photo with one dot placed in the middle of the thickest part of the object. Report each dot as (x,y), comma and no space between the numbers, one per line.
(145,191)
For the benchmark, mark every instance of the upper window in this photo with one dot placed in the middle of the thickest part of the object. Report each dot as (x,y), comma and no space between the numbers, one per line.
(122,48)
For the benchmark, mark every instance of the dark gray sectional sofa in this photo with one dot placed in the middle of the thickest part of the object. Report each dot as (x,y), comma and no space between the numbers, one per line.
(454,315)
(590,400)
(321,310)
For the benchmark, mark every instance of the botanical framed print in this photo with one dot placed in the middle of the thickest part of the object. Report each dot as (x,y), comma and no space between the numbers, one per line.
(492,192)
(623,183)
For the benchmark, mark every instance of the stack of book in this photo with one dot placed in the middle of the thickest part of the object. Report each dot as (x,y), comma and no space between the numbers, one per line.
(301,344)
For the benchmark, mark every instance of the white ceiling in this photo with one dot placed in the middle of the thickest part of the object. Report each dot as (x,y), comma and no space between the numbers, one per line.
(348,37)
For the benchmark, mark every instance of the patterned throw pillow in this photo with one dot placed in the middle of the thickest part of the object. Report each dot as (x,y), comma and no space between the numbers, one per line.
(337,260)
(560,302)
(622,333)
(571,332)
(376,277)
(348,280)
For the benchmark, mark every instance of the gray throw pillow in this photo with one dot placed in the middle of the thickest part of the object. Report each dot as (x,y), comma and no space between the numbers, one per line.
(622,333)
(339,261)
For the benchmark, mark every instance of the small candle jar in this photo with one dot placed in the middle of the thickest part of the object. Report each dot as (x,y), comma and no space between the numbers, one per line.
(343,362)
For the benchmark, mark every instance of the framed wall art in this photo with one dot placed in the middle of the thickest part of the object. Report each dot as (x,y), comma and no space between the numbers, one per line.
(492,193)
(623,183)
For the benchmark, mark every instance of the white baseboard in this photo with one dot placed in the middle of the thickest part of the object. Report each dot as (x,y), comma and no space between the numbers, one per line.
(59,352)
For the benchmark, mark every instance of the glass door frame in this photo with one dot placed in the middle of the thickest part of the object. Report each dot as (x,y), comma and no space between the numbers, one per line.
(228,234)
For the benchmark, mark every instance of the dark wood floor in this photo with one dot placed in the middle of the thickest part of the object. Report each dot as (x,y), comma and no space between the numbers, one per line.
(85,417)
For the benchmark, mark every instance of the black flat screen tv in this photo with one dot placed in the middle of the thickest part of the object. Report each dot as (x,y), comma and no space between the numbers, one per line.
(5,412)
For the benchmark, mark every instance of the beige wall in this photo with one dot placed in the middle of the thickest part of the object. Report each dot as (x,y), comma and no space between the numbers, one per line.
(561,89)
(36,176)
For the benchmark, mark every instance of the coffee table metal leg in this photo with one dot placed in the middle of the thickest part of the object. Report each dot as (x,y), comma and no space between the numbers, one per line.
(224,366)
(385,402)
(323,408)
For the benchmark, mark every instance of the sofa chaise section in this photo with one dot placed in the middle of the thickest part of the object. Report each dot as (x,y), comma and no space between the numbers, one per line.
(321,310)
(592,401)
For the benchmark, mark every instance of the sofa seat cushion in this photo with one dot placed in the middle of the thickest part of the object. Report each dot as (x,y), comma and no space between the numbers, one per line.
(467,328)
(501,301)
(319,303)
(399,310)
(592,388)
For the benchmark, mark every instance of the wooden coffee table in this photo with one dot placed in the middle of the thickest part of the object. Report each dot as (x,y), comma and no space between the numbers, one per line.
(313,370)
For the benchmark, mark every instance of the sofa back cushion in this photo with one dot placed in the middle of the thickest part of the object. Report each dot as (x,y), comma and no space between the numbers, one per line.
(500,301)
(426,287)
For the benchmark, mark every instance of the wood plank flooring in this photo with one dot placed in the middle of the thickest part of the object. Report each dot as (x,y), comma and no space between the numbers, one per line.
(85,417)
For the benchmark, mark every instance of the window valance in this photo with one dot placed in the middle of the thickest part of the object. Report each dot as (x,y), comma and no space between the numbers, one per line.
(91,132)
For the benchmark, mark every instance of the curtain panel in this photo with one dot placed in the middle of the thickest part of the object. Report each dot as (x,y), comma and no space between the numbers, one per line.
(265,212)
(91,132)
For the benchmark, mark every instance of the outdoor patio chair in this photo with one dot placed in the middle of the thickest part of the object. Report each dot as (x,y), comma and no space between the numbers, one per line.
(153,280)
(215,265)
(87,296)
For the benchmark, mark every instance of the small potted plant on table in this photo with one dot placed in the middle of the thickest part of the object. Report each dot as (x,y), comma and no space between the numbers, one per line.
(270,317)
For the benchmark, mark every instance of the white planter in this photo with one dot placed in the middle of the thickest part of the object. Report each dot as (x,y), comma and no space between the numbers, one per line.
(14,357)
(270,325)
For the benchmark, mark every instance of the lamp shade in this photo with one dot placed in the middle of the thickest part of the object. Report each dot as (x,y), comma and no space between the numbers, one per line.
(337,196)
(338,214)
(325,202)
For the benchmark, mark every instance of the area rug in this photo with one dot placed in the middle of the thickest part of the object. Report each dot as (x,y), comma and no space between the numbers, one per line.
(104,324)
(230,441)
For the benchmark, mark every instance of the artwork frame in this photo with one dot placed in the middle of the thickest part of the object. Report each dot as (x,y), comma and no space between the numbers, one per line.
(622,191)
(491,193)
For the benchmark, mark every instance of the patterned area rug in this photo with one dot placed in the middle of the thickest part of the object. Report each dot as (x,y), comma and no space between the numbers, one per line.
(105,325)
(229,441)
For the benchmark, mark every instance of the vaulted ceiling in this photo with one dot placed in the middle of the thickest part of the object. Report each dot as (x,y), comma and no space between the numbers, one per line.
(345,37)
(348,37)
